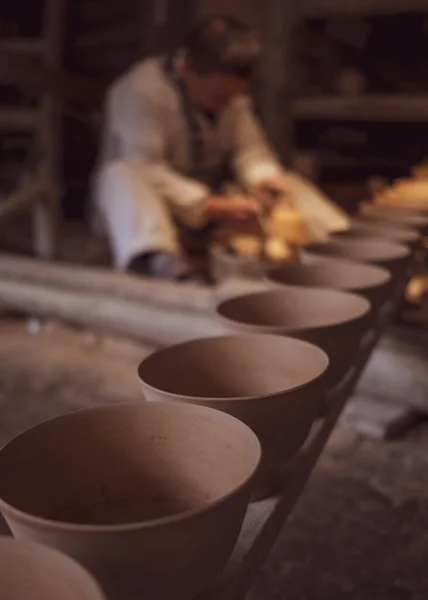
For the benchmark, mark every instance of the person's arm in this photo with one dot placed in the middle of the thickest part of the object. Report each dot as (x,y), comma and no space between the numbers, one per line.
(138,125)
(257,167)
(253,159)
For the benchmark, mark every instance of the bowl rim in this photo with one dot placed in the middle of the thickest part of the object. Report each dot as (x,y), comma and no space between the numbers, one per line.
(401,250)
(411,216)
(405,235)
(366,307)
(40,551)
(344,264)
(49,524)
(199,401)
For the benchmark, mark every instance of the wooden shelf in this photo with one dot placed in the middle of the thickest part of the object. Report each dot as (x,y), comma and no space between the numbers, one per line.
(100,11)
(340,161)
(15,119)
(25,46)
(122,34)
(400,108)
(322,8)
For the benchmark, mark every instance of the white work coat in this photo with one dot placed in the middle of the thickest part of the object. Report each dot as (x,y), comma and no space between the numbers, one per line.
(146,171)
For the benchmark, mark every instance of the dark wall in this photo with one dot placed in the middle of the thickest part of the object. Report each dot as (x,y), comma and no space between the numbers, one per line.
(248,10)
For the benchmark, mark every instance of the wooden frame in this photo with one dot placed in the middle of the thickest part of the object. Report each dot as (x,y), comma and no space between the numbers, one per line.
(39,191)
(322,8)
(124,304)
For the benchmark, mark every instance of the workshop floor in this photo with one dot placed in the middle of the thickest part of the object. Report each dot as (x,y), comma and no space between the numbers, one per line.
(359,532)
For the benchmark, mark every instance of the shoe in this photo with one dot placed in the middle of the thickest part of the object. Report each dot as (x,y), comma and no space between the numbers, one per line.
(163,266)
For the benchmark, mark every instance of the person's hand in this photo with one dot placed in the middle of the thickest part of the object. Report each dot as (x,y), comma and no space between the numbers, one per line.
(236,207)
(271,190)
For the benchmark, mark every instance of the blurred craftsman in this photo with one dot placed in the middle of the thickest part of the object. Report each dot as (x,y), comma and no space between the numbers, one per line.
(176,128)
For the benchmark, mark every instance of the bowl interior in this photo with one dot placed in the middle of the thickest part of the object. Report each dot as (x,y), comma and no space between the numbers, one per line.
(293,310)
(336,275)
(361,227)
(49,574)
(367,249)
(232,367)
(126,463)
(405,216)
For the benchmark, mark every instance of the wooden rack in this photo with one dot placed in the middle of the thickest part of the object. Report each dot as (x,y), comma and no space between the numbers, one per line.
(38,186)
(321,8)
(388,108)
(124,304)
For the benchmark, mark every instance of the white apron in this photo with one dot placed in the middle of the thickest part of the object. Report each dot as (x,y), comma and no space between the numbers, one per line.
(147,170)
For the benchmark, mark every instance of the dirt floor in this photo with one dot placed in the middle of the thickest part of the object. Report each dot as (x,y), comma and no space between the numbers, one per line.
(360,531)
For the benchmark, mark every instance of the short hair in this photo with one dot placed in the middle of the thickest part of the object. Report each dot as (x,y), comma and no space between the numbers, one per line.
(223,44)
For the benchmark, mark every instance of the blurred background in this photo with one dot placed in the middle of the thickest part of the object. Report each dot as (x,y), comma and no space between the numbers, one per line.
(319,57)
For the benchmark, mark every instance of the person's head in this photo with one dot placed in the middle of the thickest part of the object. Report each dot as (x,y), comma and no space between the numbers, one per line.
(220,56)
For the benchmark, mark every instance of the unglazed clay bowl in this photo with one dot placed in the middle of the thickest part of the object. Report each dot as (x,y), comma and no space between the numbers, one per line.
(363,227)
(150,498)
(394,215)
(272,384)
(384,253)
(335,321)
(374,283)
(34,572)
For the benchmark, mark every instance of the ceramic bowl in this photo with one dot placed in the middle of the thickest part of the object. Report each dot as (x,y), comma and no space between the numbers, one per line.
(374,283)
(363,227)
(34,572)
(384,253)
(406,217)
(335,321)
(150,498)
(273,384)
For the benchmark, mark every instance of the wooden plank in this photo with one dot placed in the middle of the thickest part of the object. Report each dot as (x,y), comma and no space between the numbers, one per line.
(149,322)
(112,35)
(19,119)
(25,46)
(21,199)
(101,11)
(106,282)
(319,8)
(373,107)
(51,131)
(280,17)
(21,72)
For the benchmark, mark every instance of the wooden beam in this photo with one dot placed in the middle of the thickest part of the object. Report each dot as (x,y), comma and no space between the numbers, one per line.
(23,72)
(369,107)
(27,196)
(156,312)
(25,46)
(108,35)
(147,322)
(280,17)
(328,8)
(19,119)
(106,282)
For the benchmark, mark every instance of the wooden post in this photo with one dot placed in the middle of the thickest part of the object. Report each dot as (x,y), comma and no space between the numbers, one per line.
(280,17)
(46,214)
(50,128)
